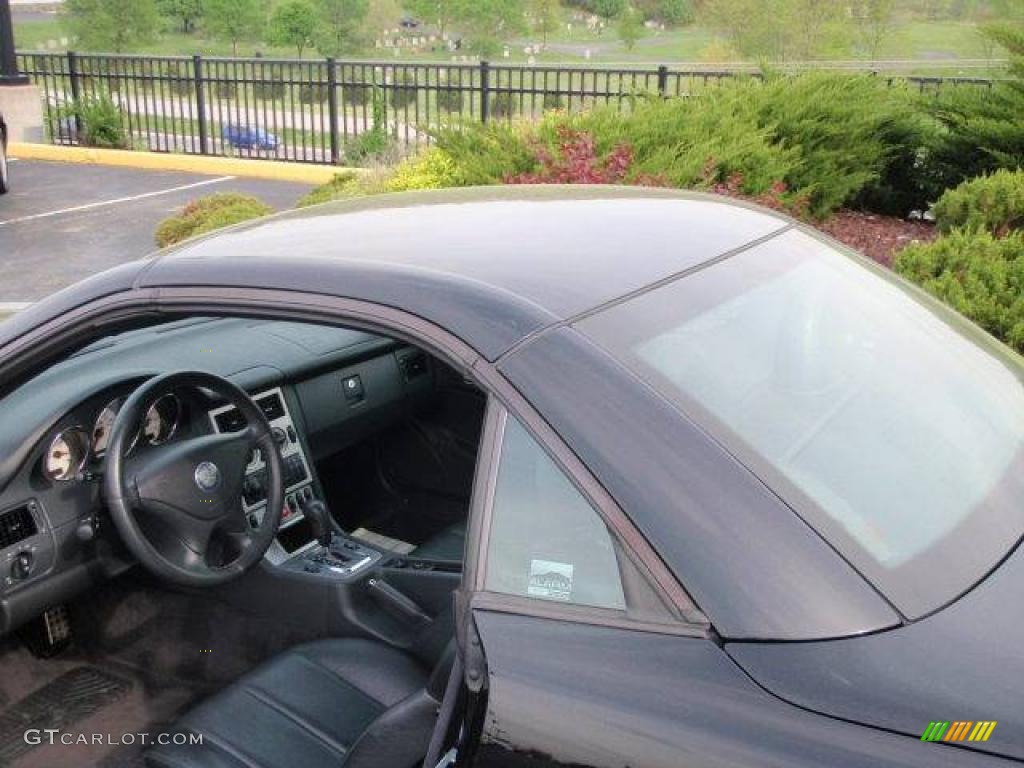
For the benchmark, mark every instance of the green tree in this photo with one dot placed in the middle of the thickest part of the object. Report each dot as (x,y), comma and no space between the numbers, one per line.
(439,12)
(776,30)
(608,9)
(110,25)
(235,21)
(544,17)
(874,21)
(294,24)
(631,28)
(339,27)
(752,27)
(809,26)
(489,21)
(674,12)
(184,12)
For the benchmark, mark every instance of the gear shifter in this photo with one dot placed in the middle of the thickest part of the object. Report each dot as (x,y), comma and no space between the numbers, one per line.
(320,520)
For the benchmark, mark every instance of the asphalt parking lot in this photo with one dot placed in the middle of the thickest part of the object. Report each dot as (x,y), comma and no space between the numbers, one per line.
(62,222)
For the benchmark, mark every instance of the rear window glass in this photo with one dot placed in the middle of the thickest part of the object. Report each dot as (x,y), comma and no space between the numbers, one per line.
(893,432)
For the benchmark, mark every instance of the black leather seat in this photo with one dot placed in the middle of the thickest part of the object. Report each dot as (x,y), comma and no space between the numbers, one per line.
(343,702)
(449,544)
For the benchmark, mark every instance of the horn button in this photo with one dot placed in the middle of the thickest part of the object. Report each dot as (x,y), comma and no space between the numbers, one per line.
(200,477)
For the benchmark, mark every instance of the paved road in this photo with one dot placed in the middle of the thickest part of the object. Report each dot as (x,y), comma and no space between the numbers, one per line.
(61,223)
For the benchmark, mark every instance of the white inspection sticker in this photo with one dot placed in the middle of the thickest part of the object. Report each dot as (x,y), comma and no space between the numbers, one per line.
(550,579)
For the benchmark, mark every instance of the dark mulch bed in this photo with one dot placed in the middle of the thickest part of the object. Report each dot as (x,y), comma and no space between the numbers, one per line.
(879,237)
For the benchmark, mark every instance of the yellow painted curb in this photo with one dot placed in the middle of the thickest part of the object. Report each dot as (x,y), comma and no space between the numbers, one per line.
(302,173)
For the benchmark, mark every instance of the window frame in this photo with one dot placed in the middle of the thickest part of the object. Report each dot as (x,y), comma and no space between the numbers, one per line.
(686,621)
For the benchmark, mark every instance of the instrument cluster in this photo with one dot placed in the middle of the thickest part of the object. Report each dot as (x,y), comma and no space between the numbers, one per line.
(73,448)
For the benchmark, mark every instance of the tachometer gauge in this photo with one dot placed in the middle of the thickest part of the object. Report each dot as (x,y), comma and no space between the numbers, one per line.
(104,426)
(162,420)
(66,455)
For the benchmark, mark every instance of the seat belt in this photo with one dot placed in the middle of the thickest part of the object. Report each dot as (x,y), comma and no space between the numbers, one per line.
(444,716)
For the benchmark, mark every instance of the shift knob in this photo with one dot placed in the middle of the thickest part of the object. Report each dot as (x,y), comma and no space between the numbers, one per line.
(320,520)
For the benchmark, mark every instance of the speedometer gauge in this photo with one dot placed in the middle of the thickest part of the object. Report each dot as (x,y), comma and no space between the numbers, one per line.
(66,455)
(162,420)
(104,426)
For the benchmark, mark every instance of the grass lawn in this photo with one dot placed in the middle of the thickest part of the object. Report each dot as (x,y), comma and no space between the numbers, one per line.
(932,43)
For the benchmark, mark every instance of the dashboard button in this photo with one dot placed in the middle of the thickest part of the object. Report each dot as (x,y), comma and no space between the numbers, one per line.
(21,568)
(352,386)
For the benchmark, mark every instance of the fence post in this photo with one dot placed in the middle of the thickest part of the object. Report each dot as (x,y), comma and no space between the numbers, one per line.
(663,81)
(75,91)
(332,108)
(485,91)
(197,75)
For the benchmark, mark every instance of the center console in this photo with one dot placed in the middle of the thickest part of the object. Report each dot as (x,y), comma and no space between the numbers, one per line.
(295,547)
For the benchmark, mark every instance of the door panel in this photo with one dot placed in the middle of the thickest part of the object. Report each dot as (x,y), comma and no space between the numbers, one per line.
(569,694)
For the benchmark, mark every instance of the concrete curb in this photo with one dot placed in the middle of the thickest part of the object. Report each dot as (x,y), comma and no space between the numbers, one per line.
(156,161)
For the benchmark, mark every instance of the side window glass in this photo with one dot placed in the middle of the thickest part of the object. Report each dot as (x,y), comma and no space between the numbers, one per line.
(546,540)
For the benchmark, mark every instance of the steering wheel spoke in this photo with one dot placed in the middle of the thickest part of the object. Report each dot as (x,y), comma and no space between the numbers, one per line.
(195,535)
(193,487)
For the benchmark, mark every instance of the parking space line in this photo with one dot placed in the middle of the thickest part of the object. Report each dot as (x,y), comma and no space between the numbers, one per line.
(117,201)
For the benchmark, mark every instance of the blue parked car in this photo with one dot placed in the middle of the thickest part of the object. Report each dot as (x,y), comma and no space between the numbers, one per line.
(246,137)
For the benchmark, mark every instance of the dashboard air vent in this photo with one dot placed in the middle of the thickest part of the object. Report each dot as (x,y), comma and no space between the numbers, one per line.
(16,525)
(230,421)
(271,406)
(413,365)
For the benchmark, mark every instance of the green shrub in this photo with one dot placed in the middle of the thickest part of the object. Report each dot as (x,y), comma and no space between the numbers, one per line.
(552,101)
(850,131)
(207,214)
(341,186)
(347,184)
(431,169)
(374,145)
(994,203)
(487,154)
(356,95)
(982,128)
(978,274)
(450,101)
(99,122)
(825,139)
(180,86)
(404,91)
(269,90)
(503,105)
(369,147)
(312,93)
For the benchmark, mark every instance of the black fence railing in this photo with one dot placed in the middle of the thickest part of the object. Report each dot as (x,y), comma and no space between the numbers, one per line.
(316,110)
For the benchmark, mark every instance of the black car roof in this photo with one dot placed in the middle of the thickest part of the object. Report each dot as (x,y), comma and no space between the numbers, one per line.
(491,265)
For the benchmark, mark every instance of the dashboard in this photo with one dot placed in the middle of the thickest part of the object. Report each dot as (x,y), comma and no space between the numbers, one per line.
(321,388)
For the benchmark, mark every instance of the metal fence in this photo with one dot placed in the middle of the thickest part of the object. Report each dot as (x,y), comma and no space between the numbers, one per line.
(320,111)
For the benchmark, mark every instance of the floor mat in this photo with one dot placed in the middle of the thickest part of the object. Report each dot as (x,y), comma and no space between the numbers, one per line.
(69,699)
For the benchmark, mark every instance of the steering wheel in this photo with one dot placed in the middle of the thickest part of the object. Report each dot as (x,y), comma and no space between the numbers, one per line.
(192,486)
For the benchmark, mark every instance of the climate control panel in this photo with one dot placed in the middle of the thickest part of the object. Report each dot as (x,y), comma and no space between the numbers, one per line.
(298,481)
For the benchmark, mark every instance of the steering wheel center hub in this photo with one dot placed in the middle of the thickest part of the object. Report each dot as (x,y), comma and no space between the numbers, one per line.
(207,476)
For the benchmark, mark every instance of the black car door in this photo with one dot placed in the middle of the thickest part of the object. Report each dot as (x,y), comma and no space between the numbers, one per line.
(565,638)
(577,653)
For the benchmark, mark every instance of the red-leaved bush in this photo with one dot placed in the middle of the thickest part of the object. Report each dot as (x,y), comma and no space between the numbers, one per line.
(575,161)
(775,198)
